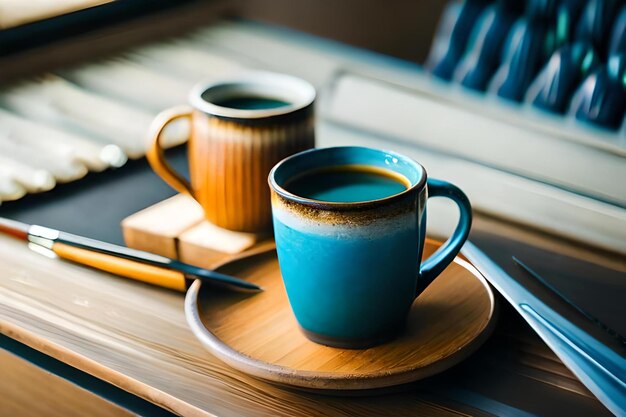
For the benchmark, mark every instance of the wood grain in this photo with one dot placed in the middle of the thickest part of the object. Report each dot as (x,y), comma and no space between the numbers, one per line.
(258,334)
(230,159)
(135,336)
(229,163)
(27,390)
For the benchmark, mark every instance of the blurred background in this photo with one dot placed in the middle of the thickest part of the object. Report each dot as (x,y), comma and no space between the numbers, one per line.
(401,28)
(521,103)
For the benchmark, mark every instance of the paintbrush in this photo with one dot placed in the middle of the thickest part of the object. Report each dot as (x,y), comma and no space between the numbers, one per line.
(119,260)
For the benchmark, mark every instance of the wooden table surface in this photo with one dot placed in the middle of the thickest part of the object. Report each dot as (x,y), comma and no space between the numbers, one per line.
(22,381)
(135,337)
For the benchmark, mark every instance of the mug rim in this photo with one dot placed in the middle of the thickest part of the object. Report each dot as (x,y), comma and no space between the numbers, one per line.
(298,92)
(280,190)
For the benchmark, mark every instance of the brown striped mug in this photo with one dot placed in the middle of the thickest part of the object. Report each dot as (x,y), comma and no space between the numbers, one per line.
(240,128)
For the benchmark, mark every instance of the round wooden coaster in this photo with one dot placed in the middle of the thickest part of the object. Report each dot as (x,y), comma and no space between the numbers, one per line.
(258,334)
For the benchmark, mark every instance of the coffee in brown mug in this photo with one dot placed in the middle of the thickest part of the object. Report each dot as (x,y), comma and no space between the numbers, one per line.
(240,128)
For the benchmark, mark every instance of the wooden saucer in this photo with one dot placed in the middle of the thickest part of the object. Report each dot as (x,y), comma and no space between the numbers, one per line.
(258,334)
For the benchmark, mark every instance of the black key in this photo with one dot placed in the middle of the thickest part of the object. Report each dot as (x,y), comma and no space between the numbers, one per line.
(553,88)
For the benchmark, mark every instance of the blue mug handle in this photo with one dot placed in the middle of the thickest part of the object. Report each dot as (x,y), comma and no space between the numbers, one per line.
(438,261)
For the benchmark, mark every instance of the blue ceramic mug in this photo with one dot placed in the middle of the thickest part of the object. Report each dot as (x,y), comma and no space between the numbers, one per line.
(352,269)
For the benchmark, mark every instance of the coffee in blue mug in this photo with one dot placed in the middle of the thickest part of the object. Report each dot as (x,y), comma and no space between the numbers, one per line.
(349,224)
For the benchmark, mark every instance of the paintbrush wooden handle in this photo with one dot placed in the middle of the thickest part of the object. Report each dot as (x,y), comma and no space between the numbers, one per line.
(150,274)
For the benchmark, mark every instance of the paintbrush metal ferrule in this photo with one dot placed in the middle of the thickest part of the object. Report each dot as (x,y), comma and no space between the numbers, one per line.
(43,232)
(42,236)
(42,250)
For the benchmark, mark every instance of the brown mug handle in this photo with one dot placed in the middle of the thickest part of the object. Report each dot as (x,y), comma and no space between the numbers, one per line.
(155,155)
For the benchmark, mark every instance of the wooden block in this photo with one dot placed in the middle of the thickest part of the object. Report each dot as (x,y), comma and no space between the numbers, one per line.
(206,245)
(176,228)
(156,228)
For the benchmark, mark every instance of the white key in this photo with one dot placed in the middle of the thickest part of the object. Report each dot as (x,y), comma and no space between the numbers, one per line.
(274,51)
(64,105)
(182,59)
(63,169)
(131,82)
(34,180)
(10,189)
(97,156)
